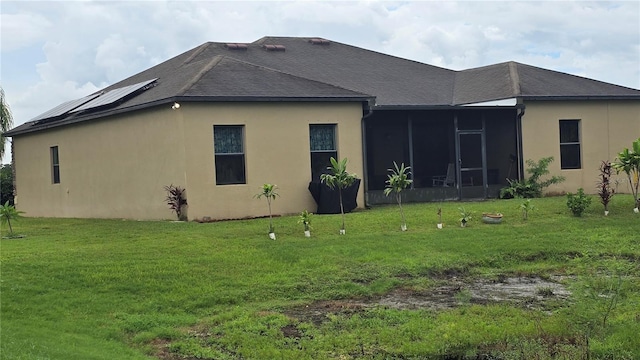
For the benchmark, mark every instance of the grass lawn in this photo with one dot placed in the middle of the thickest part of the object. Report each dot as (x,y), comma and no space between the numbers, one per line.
(114,289)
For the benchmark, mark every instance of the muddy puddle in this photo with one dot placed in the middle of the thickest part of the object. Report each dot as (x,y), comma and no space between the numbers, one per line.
(453,291)
(529,292)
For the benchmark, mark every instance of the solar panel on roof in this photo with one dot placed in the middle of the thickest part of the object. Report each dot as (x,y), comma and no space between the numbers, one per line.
(65,107)
(114,95)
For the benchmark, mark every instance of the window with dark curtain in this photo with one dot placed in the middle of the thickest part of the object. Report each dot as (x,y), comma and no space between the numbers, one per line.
(55,165)
(570,144)
(322,140)
(228,143)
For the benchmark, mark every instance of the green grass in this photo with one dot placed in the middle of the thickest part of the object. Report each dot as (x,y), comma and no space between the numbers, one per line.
(114,289)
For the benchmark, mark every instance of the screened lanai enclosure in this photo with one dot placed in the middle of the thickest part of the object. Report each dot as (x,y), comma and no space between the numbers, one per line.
(453,154)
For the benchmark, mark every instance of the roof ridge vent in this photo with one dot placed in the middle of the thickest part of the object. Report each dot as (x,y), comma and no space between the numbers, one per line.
(236,46)
(319,41)
(515,78)
(274,47)
(199,51)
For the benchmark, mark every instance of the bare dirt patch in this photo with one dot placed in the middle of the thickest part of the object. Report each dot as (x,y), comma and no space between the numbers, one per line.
(291,331)
(454,291)
(162,350)
(530,292)
(316,313)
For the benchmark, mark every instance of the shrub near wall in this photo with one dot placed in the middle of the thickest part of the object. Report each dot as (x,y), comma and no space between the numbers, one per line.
(628,161)
(533,186)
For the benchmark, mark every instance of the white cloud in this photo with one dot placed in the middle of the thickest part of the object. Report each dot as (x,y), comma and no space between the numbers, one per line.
(116,56)
(22,30)
(43,96)
(87,45)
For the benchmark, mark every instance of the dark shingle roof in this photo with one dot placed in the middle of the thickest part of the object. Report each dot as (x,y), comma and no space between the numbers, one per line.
(311,69)
(392,80)
(537,82)
(512,79)
(227,78)
(487,83)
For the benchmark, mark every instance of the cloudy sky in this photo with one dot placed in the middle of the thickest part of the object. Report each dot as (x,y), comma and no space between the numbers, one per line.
(54,51)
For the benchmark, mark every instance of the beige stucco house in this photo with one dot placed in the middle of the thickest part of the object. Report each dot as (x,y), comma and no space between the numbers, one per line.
(224,118)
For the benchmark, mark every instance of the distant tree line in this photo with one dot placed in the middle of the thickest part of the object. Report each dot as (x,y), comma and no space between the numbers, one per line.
(6,184)
(6,175)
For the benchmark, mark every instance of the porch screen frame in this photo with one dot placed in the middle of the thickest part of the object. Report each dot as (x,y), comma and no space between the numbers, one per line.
(483,146)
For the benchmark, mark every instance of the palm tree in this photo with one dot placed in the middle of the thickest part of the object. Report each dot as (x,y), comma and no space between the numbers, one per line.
(6,121)
(339,178)
(398,181)
(8,213)
(269,192)
(629,162)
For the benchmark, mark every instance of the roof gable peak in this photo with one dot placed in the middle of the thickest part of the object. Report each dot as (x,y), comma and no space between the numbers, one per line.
(515,78)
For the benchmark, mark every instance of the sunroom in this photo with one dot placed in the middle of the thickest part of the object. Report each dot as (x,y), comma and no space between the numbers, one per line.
(454,153)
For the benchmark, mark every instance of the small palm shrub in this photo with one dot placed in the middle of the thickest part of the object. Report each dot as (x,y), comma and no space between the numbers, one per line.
(578,202)
(397,182)
(526,207)
(629,162)
(465,216)
(305,219)
(8,213)
(176,199)
(339,178)
(268,191)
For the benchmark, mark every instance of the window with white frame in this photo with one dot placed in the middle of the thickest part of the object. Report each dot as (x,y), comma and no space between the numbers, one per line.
(228,143)
(570,144)
(322,140)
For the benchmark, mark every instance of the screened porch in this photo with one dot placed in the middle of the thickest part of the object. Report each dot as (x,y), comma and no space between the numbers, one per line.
(453,154)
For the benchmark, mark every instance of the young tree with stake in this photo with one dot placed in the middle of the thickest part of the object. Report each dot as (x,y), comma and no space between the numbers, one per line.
(269,192)
(398,181)
(629,162)
(339,178)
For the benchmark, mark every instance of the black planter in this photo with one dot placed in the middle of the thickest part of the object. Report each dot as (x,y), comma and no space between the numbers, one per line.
(328,200)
